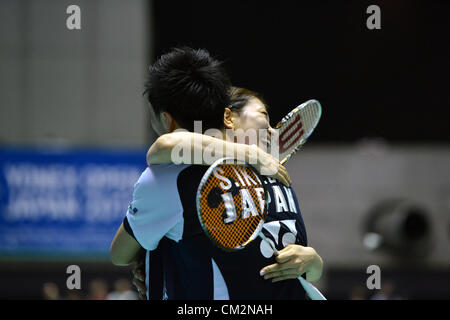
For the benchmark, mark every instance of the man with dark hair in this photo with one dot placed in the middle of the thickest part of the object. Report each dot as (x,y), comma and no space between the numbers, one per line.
(186,85)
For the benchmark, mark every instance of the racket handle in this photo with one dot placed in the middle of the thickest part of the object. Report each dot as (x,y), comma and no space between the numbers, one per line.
(312,291)
(289,155)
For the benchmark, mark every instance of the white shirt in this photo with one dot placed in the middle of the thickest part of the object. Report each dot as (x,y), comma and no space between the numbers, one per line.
(156,210)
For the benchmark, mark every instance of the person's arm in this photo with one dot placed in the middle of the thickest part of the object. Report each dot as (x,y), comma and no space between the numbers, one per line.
(148,219)
(124,249)
(293,261)
(161,152)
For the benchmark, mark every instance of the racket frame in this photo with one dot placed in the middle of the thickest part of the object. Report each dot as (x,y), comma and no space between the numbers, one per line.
(207,174)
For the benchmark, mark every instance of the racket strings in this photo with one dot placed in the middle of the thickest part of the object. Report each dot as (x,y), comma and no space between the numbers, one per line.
(239,231)
(297,126)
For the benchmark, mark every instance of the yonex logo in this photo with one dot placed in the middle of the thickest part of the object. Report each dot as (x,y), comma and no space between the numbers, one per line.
(284,231)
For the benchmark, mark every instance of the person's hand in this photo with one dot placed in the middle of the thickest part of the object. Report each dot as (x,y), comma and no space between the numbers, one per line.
(139,279)
(267,165)
(293,261)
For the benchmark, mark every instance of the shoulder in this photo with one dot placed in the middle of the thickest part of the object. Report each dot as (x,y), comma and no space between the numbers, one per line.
(159,174)
(157,181)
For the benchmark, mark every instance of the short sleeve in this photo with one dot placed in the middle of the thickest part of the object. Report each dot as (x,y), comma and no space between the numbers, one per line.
(127,227)
(156,210)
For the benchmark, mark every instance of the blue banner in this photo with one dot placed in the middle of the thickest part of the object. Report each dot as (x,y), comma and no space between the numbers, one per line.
(57,202)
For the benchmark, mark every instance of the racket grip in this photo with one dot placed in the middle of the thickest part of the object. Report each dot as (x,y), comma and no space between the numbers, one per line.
(312,291)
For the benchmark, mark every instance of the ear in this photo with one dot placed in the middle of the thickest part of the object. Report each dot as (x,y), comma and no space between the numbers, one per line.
(168,121)
(228,119)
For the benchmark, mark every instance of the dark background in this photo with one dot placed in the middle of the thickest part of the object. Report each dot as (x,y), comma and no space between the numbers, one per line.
(389,83)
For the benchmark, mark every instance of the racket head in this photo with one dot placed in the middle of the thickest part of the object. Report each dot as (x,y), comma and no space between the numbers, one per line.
(296,127)
(231,204)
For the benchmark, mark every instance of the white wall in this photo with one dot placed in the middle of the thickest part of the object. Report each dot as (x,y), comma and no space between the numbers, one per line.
(80,87)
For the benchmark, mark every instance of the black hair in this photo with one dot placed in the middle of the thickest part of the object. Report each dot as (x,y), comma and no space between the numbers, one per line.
(240,97)
(190,85)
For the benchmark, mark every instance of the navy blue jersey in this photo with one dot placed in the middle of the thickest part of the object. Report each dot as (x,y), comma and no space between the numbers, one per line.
(182,263)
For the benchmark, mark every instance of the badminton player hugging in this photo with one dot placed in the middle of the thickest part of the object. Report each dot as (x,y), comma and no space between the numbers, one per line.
(181,262)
